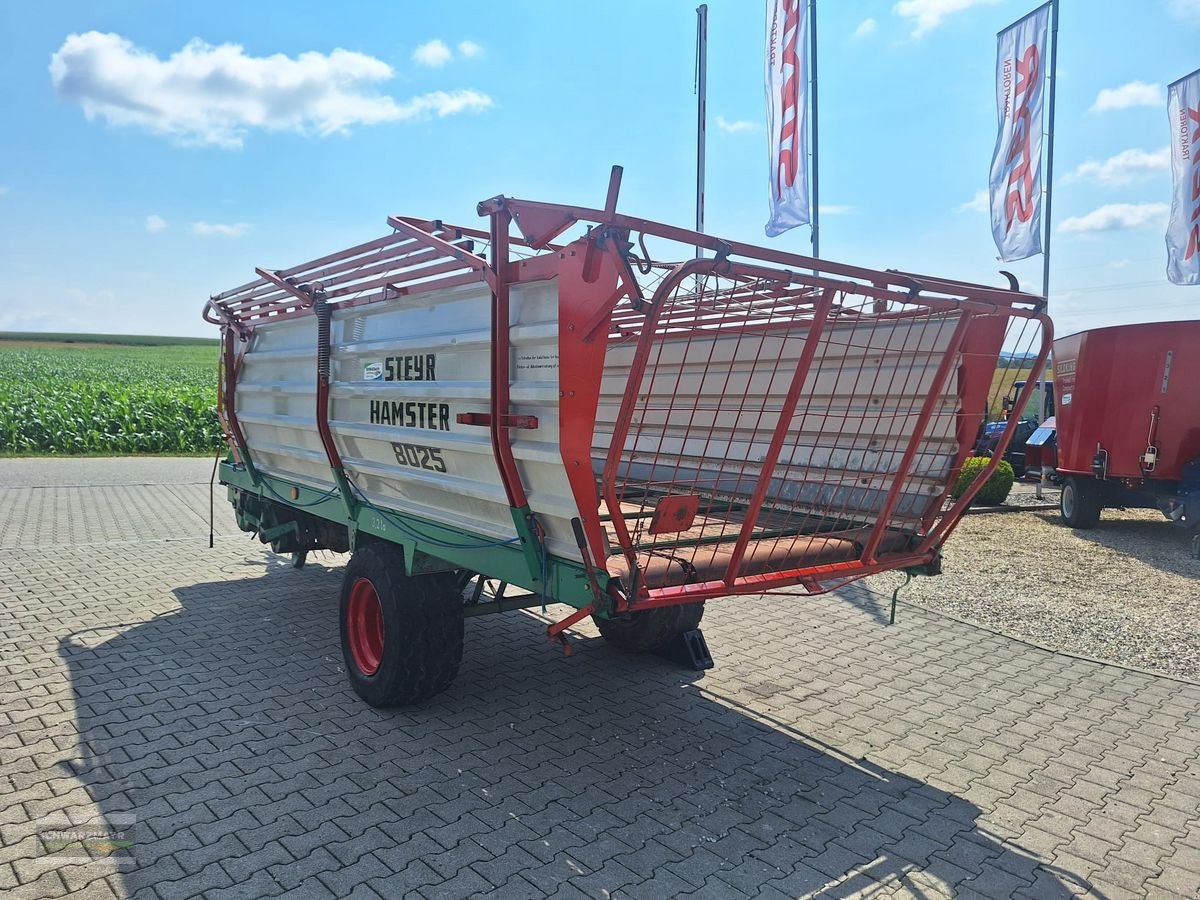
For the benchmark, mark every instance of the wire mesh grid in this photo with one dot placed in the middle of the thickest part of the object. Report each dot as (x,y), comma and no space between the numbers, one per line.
(775,425)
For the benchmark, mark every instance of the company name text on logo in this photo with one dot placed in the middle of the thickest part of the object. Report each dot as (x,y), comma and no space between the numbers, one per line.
(1018,205)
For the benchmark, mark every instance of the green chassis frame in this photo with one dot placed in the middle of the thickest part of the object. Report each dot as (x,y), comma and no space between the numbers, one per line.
(428,546)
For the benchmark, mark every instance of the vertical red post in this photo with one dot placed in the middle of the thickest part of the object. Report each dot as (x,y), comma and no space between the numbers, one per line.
(918,434)
(501,349)
(803,365)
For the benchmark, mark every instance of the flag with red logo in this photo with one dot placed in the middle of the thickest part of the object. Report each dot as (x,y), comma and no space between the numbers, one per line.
(787,104)
(1015,185)
(1183,228)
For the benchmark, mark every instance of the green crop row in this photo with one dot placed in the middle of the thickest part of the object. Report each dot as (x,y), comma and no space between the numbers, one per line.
(101,399)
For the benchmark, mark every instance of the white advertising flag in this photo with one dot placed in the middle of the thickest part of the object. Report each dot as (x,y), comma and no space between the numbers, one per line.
(787,104)
(1015,185)
(1183,229)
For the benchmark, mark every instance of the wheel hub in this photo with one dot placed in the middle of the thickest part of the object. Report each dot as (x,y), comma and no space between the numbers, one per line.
(1068,500)
(364,624)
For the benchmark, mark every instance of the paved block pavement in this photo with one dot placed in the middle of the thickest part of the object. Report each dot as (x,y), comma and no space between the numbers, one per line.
(194,700)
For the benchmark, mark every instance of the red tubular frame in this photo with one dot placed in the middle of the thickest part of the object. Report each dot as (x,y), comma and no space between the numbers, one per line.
(769,293)
(542,222)
(232,367)
(501,376)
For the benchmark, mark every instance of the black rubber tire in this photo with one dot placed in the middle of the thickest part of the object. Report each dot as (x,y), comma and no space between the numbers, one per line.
(651,629)
(1081,502)
(422,628)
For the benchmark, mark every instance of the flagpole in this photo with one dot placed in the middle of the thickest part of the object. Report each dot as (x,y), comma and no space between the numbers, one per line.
(816,180)
(1041,376)
(1050,150)
(701,111)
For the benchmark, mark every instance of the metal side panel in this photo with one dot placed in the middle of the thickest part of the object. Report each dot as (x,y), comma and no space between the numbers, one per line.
(401,373)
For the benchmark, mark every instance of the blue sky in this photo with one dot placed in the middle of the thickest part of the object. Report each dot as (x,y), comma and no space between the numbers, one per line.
(139,176)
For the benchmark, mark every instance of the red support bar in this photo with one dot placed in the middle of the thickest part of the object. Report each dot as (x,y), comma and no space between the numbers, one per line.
(324,349)
(446,247)
(918,435)
(501,377)
(232,365)
(815,579)
(803,365)
(557,628)
(536,211)
(951,517)
(304,297)
(637,372)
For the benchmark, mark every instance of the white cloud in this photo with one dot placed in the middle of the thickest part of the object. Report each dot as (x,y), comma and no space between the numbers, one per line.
(1119,264)
(1135,93)
(737,126)
(1188,10)
(3,189)
(834,209)
(1117,217)
(865,28)
(981,202)
(155,224)
(469,49)
(237,229)
(213,95)
(1126,167)
(434,54)
(928,14)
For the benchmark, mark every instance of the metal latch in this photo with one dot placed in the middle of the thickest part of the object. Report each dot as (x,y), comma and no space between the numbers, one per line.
(485,419)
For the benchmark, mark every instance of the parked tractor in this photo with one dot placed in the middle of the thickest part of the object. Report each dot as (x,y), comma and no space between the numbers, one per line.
(1029,416)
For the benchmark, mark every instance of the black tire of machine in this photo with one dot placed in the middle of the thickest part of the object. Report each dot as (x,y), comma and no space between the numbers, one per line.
(1081,502)
(650,629)
(422,628)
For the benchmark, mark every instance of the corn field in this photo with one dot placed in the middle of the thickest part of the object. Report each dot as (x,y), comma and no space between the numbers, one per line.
(108,399)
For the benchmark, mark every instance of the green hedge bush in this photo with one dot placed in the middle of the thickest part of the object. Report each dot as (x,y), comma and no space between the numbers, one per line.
(997,487)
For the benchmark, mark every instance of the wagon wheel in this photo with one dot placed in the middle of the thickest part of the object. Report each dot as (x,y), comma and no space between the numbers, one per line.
(1080,502)
(402,635)
(650,629)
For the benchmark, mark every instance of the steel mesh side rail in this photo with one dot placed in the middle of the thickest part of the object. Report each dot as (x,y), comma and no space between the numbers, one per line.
(779,495)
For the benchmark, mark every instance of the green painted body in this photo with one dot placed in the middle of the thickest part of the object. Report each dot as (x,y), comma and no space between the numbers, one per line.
(428,546)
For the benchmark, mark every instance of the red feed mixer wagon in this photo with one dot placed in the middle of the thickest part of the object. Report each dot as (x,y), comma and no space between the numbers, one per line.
(1127,425)
(568,402)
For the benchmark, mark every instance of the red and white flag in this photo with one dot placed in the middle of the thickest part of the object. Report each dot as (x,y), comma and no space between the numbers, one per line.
(1183,229)
(1015,185)
(787,106)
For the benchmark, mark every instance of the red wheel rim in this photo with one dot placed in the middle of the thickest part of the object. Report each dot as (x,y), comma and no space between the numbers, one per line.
(364,626)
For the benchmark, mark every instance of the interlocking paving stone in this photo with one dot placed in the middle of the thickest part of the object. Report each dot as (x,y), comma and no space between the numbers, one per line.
(202,691)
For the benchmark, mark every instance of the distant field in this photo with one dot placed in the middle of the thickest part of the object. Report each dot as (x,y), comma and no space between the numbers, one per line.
(98,394)
(130,340)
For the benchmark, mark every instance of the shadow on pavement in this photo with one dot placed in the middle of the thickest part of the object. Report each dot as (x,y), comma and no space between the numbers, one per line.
(1155,542)
(228,729)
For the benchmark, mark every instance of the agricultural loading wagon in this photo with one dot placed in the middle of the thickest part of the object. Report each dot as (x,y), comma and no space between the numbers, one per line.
(1127,424)
(625,436)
